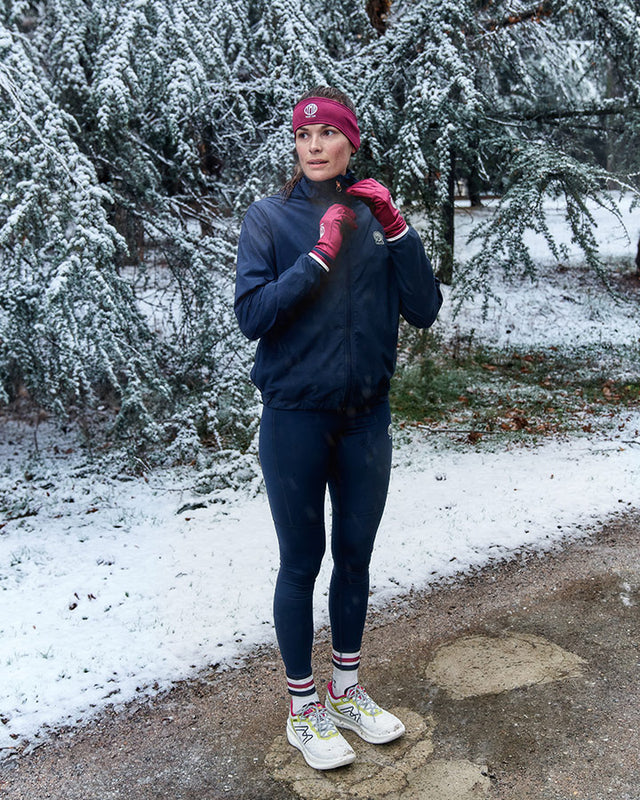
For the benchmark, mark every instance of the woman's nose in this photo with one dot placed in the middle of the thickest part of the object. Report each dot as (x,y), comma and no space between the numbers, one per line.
(314,144)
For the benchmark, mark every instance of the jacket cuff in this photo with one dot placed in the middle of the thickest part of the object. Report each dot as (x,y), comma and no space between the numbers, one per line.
(396,236)
(316,256)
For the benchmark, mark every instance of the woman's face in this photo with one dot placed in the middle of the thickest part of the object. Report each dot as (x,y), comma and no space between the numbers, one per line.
(323,151)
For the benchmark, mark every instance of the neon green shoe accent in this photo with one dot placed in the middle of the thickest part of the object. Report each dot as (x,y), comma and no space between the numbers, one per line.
(314,733)
(356,711)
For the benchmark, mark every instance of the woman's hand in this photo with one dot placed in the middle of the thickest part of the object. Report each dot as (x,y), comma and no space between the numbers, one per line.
(337,219)
(378,198)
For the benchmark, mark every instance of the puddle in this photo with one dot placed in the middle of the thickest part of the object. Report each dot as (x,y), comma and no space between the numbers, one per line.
(400,770)
(448,780)
(478,665)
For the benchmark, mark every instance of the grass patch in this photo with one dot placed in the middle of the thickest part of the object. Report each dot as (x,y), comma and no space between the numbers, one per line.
(477,390)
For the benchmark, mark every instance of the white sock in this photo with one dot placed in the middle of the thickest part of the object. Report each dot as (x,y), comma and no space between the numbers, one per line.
(344,678)
(303,692)
(298,703)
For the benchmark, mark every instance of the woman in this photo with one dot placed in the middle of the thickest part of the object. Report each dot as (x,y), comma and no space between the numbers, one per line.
(325,268)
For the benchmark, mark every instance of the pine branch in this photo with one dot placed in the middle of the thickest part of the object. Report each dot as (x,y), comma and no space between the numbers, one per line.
(535,14)
(608,109)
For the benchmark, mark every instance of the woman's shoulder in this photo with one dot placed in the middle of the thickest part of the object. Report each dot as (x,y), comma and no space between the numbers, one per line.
(266,205)
(274,207)
(270,215)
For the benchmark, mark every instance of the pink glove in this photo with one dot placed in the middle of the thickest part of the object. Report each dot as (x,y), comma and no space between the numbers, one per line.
(378,198)
(337,219)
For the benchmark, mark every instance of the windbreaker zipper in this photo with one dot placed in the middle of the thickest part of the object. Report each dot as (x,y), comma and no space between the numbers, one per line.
(348,330)
(348,312)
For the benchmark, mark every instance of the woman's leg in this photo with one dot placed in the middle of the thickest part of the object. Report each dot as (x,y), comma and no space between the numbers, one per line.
(294,454)
(359,487)
(358,483)
(294,450)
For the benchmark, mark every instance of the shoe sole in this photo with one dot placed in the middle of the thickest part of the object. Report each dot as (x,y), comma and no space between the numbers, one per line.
(348,758)
(341,722)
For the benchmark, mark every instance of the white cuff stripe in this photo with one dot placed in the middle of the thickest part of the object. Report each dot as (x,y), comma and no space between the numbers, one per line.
(320,261)
(301,683)
(399,236)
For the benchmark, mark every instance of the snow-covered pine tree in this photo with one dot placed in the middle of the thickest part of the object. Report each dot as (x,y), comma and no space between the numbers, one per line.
(477,89)
(68,325)
(147,93)
(155,124)
(187,131)
(559,89)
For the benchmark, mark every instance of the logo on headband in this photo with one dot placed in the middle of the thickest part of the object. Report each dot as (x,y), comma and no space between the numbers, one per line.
(310,110)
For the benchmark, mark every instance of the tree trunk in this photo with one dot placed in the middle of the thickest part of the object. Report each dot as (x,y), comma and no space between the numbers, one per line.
(474,186)
(378,11)
(445,271)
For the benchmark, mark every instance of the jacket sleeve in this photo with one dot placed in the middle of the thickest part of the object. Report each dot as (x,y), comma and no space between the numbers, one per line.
(266,293)
(420,295)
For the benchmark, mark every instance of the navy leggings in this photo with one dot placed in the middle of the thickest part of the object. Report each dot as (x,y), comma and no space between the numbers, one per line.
(302,453)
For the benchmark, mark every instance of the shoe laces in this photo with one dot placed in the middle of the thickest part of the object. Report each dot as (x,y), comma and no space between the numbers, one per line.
(359,695)
(319,716)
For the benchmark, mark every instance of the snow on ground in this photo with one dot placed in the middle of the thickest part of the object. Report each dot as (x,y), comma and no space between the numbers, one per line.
(112,588)
(568,308)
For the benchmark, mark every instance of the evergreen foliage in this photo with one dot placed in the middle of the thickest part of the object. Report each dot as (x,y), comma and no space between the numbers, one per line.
(500,93)
(134,135)
(69,324)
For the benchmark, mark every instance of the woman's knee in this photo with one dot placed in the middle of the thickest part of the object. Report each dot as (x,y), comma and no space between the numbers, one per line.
(351,573)
(300,576)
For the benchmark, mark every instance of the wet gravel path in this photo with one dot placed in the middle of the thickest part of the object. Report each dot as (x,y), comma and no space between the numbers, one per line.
(518,682)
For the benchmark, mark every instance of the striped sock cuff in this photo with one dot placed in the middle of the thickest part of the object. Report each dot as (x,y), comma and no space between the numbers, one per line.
(346,661)
(302,687)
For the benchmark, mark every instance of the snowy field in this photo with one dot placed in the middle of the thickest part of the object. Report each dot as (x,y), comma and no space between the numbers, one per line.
(565,308)
(111,588)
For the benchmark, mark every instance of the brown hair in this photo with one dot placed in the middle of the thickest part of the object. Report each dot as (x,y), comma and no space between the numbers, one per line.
(329,93)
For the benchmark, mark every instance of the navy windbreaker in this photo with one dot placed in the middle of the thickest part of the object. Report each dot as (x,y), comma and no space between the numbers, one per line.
(327,340)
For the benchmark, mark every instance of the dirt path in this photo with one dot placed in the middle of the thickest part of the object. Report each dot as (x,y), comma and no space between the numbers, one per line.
(520,682)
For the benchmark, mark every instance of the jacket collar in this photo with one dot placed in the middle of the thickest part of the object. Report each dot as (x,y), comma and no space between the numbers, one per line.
(332,190)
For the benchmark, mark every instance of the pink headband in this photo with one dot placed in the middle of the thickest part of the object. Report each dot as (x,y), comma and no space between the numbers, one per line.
(320,110)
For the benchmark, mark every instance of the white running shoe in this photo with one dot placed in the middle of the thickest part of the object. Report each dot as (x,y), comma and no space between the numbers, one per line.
(356,711)
(312,731)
